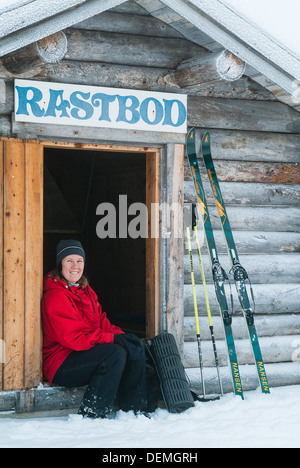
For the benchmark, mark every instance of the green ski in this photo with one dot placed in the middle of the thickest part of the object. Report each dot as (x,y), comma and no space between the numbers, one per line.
(239,273)
(219,275)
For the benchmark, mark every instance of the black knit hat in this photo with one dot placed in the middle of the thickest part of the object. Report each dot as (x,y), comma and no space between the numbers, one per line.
(68,247)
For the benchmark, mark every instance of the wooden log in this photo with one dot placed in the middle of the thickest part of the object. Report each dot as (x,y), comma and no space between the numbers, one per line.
(229,66)
(246,171)
(144,78)
(243,88)
(252,146)
(131,8)
(94,134)
(123,49)
(279,374)
(6,96)
(270,299)
(258,242)
(157,79)
(208,68)
(5,126)
(43,399)
(14,260)
(266,242)
(51,49)
(250,194)
(49,398)
(7,401)
(273,351)
(128,23)
(235,114)
(262,269)
(108,75)
(266,325)
(263,219)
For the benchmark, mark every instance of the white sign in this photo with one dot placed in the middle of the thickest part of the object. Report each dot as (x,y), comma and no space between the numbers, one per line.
(91,106)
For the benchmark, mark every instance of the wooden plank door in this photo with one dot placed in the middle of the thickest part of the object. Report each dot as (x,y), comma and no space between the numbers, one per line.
(22,268)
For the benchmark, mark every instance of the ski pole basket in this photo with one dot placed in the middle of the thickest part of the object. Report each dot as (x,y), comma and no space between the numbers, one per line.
(174,385)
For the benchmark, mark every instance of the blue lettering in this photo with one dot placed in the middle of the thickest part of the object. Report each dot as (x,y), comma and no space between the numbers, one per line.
(105,100)
(53,106)
(158,112)
(168,113)
(24,101)
(81,105)
(124,107)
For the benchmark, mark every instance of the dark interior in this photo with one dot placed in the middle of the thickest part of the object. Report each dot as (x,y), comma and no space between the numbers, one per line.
(75,183)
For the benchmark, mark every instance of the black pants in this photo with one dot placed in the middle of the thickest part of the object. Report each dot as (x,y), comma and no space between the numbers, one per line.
(108,373)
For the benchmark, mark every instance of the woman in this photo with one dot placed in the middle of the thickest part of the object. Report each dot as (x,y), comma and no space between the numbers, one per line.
(81,346)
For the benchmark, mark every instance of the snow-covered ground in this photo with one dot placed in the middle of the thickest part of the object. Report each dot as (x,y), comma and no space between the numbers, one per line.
(259,421)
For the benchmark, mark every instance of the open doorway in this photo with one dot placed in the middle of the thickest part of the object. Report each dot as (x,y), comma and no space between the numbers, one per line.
(75,183)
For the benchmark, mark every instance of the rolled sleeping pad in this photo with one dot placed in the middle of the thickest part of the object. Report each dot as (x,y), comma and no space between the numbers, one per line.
(173,381)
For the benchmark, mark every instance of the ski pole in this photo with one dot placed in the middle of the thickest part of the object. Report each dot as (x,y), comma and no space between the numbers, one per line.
(196,309)
(206,298)
(217,270)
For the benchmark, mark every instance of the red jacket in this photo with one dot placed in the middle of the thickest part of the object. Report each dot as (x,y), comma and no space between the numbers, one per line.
(72,321)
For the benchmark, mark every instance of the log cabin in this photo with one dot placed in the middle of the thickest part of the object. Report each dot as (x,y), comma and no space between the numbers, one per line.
(54,175)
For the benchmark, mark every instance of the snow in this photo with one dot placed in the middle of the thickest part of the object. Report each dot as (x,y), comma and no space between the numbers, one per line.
(278,18)
(7,5)
(261,421)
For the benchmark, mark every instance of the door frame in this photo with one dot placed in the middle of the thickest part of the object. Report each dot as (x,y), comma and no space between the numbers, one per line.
(152,241)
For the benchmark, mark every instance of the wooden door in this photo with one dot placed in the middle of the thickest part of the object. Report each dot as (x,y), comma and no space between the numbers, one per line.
(21,231)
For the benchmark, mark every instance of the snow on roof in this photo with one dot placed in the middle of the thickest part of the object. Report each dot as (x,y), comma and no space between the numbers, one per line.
(268,62)
(7,5)
(26,21)
(277,18)
(18,14)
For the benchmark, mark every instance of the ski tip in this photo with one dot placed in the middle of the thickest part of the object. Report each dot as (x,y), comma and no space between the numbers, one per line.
(206,139)
(191,134)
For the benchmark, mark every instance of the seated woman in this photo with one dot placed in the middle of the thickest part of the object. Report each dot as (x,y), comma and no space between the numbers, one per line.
(81,347)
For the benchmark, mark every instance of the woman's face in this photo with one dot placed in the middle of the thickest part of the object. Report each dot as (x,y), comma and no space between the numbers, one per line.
(72,268)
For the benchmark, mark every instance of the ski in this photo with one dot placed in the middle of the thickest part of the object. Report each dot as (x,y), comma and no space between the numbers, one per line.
(239,273)
(218,273)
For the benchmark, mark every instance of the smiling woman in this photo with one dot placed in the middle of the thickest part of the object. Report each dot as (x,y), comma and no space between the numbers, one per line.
(72,268)
(81,347)
(70,258)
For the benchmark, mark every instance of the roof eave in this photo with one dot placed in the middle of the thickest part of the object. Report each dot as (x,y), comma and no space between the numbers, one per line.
(241,37)
(50,25)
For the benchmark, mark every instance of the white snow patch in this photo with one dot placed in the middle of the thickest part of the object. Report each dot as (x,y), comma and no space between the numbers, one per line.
(268,421)
(278,18)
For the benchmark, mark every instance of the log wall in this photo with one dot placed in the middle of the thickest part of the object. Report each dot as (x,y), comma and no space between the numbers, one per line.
(260,184)
(256,147)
